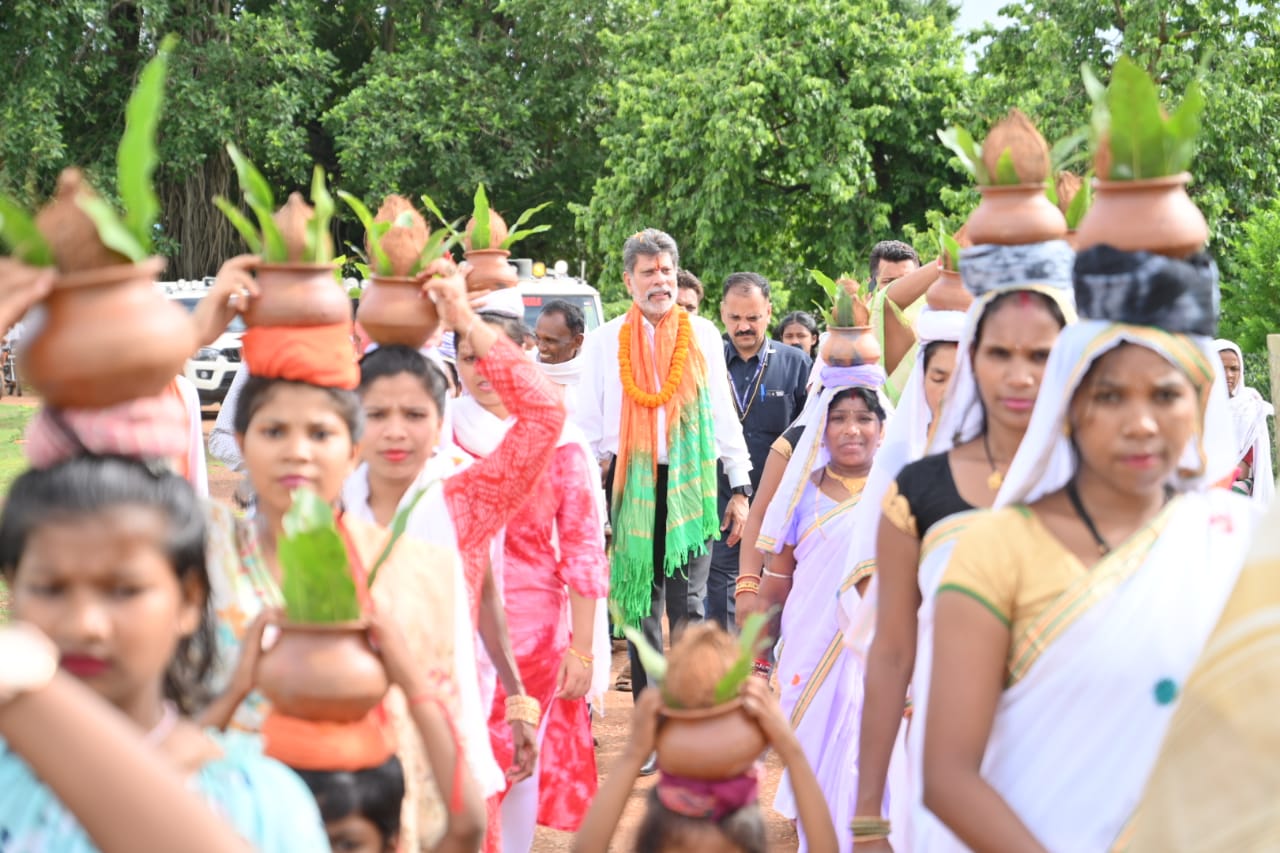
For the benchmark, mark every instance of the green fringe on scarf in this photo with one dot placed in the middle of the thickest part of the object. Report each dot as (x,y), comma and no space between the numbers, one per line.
(692,519)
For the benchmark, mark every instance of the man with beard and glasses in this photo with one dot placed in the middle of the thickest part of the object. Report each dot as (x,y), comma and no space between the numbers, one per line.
(767,380)
(655,404)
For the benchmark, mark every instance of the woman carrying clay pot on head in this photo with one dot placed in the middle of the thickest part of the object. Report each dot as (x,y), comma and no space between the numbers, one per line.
(554,571)
(806,533)
(1069,619)
(105,556)
(465,501)
(1022,299)
(298,421)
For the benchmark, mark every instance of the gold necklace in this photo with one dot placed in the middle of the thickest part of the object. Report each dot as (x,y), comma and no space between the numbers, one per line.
(852,485)
(995,479)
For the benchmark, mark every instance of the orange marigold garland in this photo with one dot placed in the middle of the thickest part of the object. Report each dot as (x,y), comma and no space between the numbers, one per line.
(679,358)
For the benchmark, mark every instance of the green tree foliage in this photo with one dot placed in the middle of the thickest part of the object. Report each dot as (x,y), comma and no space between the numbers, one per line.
(500,94)
(776,137)
(1251,294)
(1230,46)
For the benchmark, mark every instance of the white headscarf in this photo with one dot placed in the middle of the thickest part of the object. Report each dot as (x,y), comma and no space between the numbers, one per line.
(1249,413)
(990,272)
(810,452)
(1046,459)
(906,439)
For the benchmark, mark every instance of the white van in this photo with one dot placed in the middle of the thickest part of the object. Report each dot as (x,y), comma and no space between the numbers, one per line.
(538,290)
(212,368)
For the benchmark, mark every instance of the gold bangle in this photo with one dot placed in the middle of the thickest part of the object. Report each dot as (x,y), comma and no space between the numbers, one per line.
(524,709)
(869,828)
(746,583)
(585,660)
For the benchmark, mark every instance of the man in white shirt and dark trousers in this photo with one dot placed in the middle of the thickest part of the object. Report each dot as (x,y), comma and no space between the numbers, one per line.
(650,432)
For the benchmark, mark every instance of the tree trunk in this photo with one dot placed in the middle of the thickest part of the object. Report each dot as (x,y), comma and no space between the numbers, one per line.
(204,236)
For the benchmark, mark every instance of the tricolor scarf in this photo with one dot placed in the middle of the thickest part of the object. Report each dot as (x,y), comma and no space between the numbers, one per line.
(691,463)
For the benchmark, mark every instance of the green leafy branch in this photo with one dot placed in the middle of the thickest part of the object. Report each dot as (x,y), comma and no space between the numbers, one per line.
(1129,119)
(315,567)
(439,242)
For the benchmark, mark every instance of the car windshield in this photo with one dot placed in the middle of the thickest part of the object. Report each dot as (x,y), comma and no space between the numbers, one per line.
(189,302)
(533,303)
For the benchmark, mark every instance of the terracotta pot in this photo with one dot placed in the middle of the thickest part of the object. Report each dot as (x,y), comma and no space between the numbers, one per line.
(298,295)
(393,311)
(1153,215)
(948,293)
(846,346)
(709,743)
(1014,215)
(109,336)
(490,270)
(322,672)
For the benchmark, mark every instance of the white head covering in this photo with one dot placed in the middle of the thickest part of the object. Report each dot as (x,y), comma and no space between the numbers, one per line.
(990,272)
(1133,298)
(905,440)
(906,437)
(810,452)
(1046,459)
(1249,413)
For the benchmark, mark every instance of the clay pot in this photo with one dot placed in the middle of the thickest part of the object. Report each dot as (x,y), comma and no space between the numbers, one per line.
(948,293)
(298,295)
(490,270)
(322,672)
(1014,215)
(70,233)
(1153,215)
(109,337)
(846,346)
(393,311)
(710,743)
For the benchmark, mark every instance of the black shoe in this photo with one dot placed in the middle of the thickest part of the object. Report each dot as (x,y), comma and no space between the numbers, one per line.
(651,766)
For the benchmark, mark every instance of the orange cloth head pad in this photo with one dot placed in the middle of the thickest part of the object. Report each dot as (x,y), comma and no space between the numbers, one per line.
(329,746)
(317,355)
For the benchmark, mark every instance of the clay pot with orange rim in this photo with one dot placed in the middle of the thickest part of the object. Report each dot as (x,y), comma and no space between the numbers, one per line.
(490,270)
(714,743)
(1152,214)
(393,310)
(322,672)
(1015,215)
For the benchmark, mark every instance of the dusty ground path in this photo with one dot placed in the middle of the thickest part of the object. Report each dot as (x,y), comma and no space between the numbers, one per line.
(611,731)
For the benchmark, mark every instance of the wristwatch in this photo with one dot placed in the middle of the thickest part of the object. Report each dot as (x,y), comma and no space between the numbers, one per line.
(746,491)
(28,661)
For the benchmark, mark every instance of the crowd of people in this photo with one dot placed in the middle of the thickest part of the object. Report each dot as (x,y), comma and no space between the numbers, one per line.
(988,561)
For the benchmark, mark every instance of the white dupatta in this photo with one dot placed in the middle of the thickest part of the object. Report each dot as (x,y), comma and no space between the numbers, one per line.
(430,522)
(1249,412)
(1077,732)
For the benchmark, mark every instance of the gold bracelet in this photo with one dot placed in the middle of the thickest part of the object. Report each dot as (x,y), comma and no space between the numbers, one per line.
(869,828)
(585,660)
(524,709)
(746,583)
